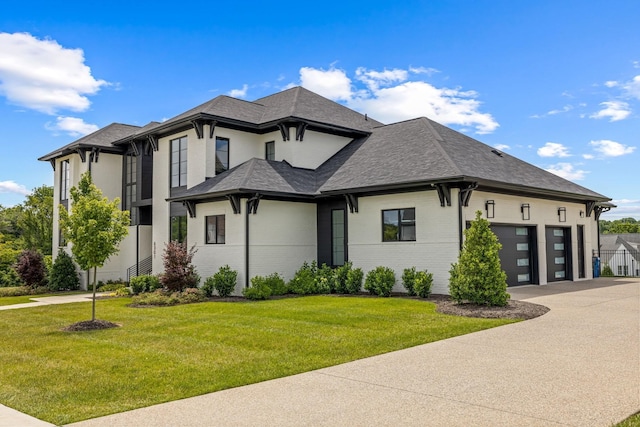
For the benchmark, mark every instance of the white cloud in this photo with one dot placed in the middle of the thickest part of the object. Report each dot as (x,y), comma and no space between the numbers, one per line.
(632,87)
(72,125)
(588,156)
(614,110)
(611,148)
(501,147)
(333,83)
(43,75)
(553,149)
(13,187)
(423,70)
(391,96)
(611,83)
(564,109)
(567,171)
(239,93)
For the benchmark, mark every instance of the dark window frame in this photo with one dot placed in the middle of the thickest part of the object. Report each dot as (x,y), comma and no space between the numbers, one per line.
(270,150)
(65,180)
(220,224)
(220,165)
(131,186)
(399,235)
(181,232)
(181,162)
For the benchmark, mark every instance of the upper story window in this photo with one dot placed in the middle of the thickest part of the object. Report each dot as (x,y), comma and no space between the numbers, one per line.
(222,154)
(399,225)
(179,162)
(130,186)
(270,150)
(65,180)
(215,229)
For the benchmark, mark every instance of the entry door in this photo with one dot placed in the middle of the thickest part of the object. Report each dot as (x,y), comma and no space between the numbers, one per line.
(580,238)
(332,232)
(558,254)
(518,253)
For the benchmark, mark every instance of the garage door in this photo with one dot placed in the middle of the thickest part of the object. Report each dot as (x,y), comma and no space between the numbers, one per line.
(558,254)
(518,253)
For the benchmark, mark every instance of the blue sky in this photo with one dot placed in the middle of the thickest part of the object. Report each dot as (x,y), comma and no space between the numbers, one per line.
(555,83)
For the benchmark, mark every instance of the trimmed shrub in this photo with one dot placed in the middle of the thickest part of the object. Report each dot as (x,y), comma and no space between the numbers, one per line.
(179,272)
(64,276)
(159,297)
(9,278)
(223,281)
(606,271)
(323,280)
(346,279)
(354,280)
(422,283)
(409,279)
(310,279)
(259,289)
(276,283)
(14,291)
(191,295)
(144,283)
(380,281)
(31,268)
(478,277)
(122,292)
(111,287)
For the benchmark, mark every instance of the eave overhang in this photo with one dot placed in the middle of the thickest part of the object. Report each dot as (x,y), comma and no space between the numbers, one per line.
(82,147)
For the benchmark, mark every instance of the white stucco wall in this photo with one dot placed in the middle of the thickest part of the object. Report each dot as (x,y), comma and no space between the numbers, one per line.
(160,209)
(543,213)
(435,248)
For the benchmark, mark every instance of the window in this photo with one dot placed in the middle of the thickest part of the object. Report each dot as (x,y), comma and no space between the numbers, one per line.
(337,237)
(179,162)
(215,229)
(399,225)
(61,240)
(64,180)
(130,187)
(619,270)
(270,150)
(222,154)
(179,228)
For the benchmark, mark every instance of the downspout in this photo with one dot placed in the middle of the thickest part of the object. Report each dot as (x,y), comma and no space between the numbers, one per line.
(137,250)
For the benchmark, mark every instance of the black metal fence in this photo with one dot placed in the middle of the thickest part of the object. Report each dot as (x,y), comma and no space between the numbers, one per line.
(619,263)
(144,267)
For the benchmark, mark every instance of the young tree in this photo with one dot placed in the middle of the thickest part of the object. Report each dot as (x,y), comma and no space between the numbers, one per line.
(179,272)
(30,267)
(478,277)
(64,276)
(95,226)
(36,220)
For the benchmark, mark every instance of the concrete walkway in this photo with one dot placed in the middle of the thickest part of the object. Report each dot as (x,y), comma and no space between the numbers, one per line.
(58,299)
(578,365)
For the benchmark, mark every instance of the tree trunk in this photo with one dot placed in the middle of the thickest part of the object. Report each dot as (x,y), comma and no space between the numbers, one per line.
(93,303)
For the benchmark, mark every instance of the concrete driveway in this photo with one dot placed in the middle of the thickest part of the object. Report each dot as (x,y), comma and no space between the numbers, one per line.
(578,365)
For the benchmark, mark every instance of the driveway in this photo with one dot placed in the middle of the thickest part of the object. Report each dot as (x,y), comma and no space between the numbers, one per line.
(578,365)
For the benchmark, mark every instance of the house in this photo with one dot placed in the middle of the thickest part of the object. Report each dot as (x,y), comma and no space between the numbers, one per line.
(265,185)
(621,252)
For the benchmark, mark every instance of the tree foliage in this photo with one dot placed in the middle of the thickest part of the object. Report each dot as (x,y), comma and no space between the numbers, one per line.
(94,226)
(179,271)
(35,221)
(620,226)
(64,276)
(30,267)
(478,277)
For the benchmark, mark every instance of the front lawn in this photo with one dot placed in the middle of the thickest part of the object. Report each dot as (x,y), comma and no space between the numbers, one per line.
(167,353)
(28,298)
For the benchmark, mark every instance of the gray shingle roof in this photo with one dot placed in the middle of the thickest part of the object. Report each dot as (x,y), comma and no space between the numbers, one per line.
(102,138)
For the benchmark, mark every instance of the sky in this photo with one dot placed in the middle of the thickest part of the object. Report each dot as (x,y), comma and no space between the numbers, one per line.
(554,83)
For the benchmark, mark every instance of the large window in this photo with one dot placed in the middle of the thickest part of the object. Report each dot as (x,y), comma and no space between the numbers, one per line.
(215,229)
(130,186)
(337,237)
(179,228)
(399,225)
(270,150)
(179,162)
(64,180)
(222,154)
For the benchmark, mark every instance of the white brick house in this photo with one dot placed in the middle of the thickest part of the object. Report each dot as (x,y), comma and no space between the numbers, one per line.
(265,185)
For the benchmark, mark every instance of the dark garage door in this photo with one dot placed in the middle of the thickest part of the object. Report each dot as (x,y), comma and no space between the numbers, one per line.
(518,253)
(558,254)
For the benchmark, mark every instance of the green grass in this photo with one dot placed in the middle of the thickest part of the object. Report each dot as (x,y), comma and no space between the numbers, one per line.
(632,421)
(167,353)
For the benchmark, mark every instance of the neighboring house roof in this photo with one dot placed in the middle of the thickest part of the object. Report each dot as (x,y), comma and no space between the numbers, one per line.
(102,138)
(610,243)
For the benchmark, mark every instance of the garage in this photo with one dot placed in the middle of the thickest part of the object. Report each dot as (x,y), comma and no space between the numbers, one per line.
(518,253)
(558,253)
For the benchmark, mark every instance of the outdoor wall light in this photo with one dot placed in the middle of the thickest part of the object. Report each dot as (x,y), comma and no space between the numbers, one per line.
(526,212)
(562,214)
(490,206)
(581,214)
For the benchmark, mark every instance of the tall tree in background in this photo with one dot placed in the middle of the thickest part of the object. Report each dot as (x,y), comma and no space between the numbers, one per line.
(36,220)
(95,226)
(620,226)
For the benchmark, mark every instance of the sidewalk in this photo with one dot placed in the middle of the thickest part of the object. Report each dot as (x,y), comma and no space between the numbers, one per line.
(58,299)
(578,365)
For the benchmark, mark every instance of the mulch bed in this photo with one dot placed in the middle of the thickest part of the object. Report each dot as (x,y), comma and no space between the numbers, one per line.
(90,325)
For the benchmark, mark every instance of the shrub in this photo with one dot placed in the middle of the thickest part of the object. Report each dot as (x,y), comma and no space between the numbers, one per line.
(259,289)
(122,292)
(9,278)
(179,272)
(224,282)
(477,277)
(409,279)
(64,276)
(346,279)
(323,279)
(606,271)
(276,283)
(159,297)
(14,291)
(354,280)
(422,284)
(380,281)
(190,295)
(144,283)
(310,279)
(111,287)
(31,269)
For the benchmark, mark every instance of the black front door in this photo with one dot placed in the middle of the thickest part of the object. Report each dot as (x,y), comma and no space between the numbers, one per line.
(332,232)
(558,254)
